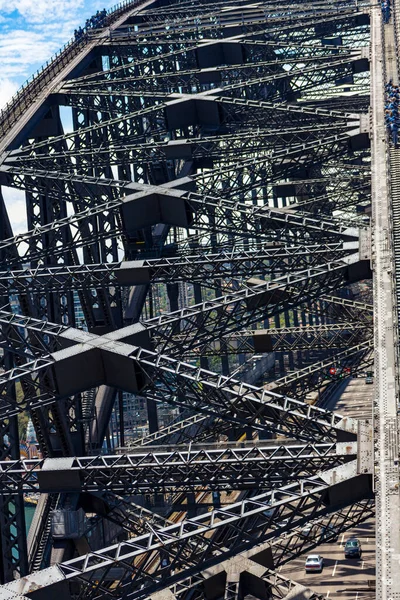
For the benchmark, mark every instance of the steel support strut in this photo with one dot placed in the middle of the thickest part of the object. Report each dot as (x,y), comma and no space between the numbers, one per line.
(198,243)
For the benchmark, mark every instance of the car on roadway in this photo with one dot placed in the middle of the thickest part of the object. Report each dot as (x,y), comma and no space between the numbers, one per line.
(314,563)
(306,531)
(329,534)
(164,562)
(352,548)
(283,523)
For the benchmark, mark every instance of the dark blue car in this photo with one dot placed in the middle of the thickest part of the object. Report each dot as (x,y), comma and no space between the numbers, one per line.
(352,549)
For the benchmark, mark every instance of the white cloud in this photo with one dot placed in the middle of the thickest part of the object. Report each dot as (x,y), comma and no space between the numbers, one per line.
(16,209)
(31,31)
(39,11)
(7,90)
(19,49)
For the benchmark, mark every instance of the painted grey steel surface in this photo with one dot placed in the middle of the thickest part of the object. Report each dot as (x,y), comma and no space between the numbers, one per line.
(208,468)
(197,182)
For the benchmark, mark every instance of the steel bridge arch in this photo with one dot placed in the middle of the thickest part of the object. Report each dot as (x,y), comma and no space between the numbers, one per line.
(197,181)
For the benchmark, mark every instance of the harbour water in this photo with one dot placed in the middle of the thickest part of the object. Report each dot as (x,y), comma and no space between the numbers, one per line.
(29,512)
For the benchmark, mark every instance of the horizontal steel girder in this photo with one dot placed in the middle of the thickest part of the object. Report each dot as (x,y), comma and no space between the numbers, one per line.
(179,333)
(326,61)
(272,115)
(273,258)
(314,336)
(251,20)
(219,468)
(184,430)
(112,362)
(190,542)
(340,335)
(155,205)
(188,81)
(292,544)
(249,143)
(362,352)
(249,302)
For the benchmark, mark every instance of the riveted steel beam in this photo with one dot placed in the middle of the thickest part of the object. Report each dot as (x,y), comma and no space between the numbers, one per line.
(209,144)
(246,523)
(191,268)
(219,468)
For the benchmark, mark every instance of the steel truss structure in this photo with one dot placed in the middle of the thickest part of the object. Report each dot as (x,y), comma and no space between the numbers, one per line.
(198,180)
(248,467)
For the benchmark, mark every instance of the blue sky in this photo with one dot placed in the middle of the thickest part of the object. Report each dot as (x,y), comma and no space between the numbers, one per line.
(32,30)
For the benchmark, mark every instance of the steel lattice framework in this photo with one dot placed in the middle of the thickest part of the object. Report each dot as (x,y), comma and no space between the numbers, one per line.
(197,182)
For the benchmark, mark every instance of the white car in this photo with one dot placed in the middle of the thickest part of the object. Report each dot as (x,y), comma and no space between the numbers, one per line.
(314,563)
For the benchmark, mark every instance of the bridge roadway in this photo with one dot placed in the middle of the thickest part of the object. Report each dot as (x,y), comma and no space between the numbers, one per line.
(343,578)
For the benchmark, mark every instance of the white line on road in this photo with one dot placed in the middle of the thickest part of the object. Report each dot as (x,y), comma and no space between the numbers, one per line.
(327,594)
(362,564)
(334,569)
(341,542)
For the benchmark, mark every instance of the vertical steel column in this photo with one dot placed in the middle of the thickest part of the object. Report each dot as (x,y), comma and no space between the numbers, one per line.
(13,548)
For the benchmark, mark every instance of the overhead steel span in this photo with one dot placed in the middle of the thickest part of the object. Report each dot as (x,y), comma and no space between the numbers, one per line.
(209,258)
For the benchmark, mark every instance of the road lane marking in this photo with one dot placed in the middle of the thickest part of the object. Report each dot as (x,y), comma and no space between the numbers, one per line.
(341,543)
(334,569)
(362,564)
(327,595)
